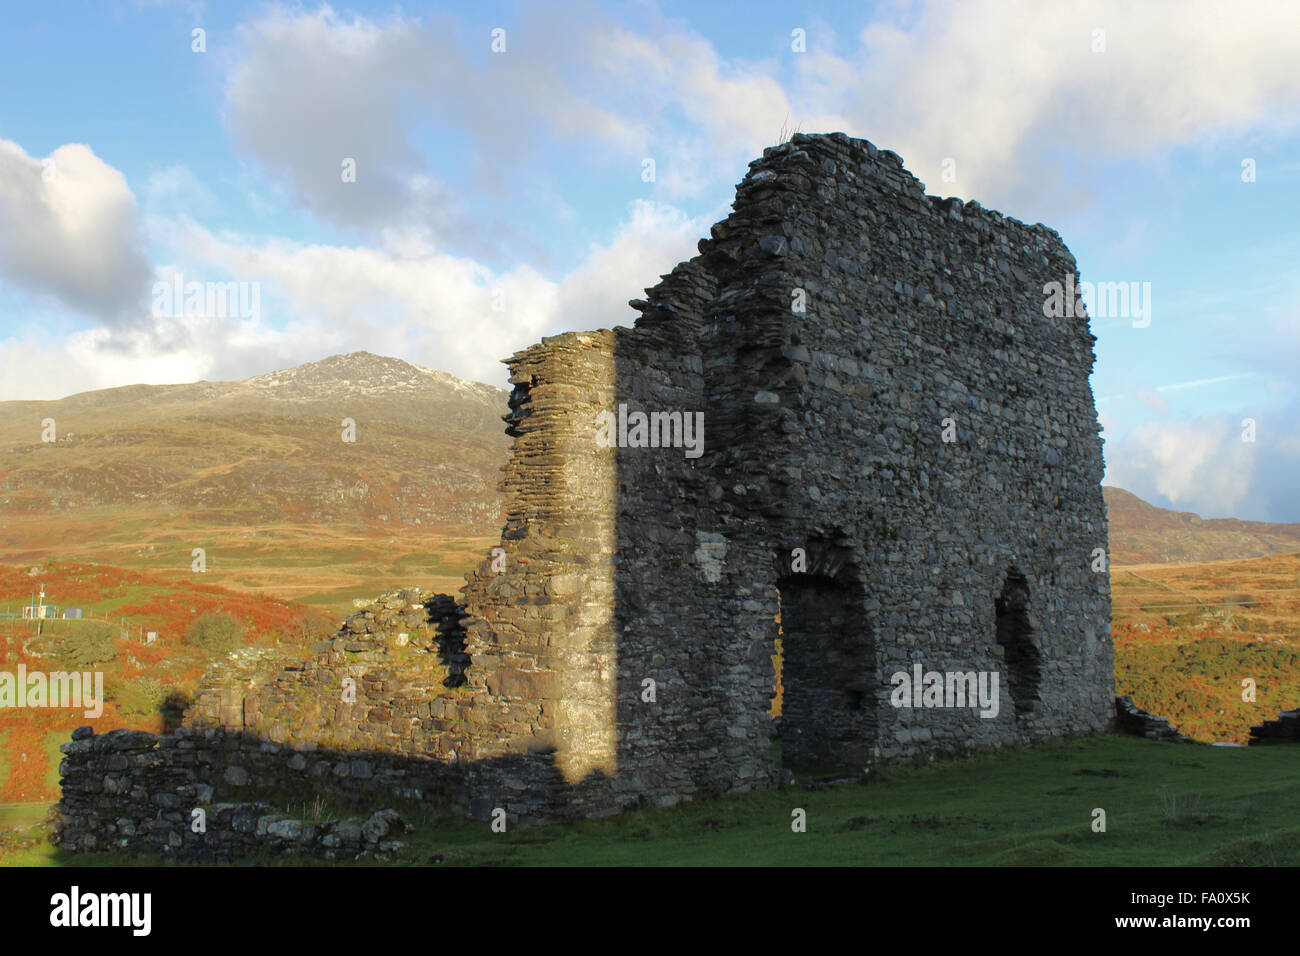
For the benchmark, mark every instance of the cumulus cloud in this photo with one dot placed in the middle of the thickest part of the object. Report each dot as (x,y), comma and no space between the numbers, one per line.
(70,229)
(653,239)
(1187,462)
(312,91)
(1205,465)
(451,311)
(430,306)
(1012,91)
(402,298)
(308,90)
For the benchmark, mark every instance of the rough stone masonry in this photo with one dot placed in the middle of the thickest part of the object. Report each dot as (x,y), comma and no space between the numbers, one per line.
(894,469)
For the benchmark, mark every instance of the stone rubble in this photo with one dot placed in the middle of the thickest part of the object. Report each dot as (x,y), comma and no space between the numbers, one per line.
(1131,719)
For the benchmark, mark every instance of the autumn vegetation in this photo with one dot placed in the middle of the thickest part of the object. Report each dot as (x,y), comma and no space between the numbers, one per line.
(1215,646)
(146,685)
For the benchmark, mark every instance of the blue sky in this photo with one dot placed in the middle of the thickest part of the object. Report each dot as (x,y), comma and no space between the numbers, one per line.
(127,158)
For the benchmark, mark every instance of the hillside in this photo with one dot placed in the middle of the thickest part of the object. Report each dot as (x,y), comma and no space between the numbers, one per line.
(427,448)
(1141,533)
(1187,635)
(143,679)
(258,474)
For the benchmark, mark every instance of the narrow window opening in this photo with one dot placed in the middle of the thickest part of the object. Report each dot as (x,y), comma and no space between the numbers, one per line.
(1016,635)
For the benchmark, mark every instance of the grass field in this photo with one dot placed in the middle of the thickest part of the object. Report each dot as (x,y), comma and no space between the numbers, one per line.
(1166,804)
(324,565)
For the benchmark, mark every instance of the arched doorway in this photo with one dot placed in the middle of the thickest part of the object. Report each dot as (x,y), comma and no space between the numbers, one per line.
(828,664)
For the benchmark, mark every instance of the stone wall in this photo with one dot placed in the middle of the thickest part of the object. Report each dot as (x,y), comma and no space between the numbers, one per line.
(1285,728)
(1132,719)
(824,437)
(134,792)
(900,467)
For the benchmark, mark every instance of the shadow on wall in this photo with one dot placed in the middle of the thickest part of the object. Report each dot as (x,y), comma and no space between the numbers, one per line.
(134,792)
(830,671)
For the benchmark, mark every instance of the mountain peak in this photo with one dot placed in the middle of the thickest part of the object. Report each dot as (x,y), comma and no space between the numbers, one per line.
(362,373)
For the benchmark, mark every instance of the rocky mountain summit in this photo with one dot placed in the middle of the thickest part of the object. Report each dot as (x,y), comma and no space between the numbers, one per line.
(364,373)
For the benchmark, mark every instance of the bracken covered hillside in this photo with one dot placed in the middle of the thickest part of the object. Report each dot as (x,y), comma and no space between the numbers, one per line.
(1141,533)
(257,473)
(427,449)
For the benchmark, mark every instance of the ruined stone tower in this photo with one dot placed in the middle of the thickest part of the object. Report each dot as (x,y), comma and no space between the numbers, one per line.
(899,467)
(833,332)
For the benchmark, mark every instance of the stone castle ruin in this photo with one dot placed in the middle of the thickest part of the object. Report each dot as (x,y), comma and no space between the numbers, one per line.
(847,424)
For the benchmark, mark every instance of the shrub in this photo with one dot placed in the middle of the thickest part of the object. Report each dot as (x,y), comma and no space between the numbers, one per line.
(215,634)
(86,644)
(143,695)
(303,630)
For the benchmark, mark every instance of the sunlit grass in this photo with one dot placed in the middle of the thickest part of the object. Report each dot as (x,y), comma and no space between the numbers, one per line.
(1165,804)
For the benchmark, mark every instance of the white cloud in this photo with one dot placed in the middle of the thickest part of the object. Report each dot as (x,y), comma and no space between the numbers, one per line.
(70,228)
(1203,465)
(310,91)
(404,299)
(1012,90)
(650,242)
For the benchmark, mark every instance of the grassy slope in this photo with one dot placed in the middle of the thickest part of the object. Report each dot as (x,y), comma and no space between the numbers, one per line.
(259,475)
(325,565)
(1166,804)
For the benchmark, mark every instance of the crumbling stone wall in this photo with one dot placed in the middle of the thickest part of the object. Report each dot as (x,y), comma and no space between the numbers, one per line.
(1285,728)
(1132,719)
(900,469)
(134,792)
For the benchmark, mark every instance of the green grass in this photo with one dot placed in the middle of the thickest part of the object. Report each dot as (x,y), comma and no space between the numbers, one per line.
(53,741)
(1166,804)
